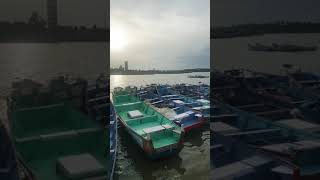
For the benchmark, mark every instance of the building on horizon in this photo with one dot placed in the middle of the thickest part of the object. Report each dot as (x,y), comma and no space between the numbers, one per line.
(52,13)
(126,66)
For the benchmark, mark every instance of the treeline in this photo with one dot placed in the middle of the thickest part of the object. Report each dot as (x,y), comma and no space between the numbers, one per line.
(260,29)
(142,72)
(36,30)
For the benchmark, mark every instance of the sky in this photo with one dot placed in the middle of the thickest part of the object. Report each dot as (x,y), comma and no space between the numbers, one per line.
(228,12)
(160,34)
(70,12)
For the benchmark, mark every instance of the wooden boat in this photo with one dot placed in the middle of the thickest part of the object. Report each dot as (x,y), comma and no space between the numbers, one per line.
(113,133)
(58,142)
(53,138)
(253,147)
(156,135)
(187,112)
(8,160)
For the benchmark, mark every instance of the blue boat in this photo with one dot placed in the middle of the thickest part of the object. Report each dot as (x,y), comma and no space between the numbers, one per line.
(8,160)
(113,133)
(189,113)
(252,147)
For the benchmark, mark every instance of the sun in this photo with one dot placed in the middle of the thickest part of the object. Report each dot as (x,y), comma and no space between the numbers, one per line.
(118,39)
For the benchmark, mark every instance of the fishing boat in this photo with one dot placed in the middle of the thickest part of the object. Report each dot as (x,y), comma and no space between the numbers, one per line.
(193,91)
(113,133)
(186,112)
(155,134)
(8,160)
(183,117)
(53,138)
(58,142)
(253,147)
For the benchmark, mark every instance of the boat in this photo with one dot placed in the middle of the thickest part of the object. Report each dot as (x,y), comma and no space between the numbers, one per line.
(198,76)
(58,142)
(113,133)
(280,47)
(97,102)
(253,147)
(247,116)
(193,91)
(155,134)
(185,111)
(54,139)
(8,159)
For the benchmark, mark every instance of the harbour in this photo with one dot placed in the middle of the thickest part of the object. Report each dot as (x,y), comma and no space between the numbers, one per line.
(132,162)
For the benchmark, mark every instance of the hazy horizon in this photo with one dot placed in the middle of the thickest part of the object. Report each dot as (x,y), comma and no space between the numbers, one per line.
(167,34)
(71,12)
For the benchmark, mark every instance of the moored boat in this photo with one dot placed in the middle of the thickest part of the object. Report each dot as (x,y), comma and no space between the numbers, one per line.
(63,138)
(187,112)
(8,160)
(113,133)
(155,134)
(54,139)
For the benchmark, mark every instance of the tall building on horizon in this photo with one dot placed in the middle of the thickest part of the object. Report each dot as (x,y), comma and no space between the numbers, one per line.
(52,13)
(126,66)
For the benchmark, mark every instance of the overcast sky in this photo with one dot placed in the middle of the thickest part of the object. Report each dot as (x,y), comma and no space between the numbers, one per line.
(162,34)
(71,12)
(227,12)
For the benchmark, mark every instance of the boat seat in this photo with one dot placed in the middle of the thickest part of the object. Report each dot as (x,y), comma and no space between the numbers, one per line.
(98,98)
(141,119)
(101,106)
(27,139)
(79,166)
(135,114)
(97,178)
(63,134)
(254,132)
(153,129)
(167,126)
(88,130)
(41,107)
(156,102)
(128,104)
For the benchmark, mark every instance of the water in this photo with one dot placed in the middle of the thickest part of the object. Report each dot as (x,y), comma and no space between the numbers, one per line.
(42,61)
(142,80)
(193,160)
(234,53)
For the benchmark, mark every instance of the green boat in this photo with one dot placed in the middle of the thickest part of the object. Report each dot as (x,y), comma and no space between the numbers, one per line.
(158,136)
(58,142)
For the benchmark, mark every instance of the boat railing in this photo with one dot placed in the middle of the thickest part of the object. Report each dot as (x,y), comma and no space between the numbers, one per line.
(271,124)
(41,107)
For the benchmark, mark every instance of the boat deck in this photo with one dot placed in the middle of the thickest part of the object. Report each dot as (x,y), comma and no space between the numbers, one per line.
(145,121)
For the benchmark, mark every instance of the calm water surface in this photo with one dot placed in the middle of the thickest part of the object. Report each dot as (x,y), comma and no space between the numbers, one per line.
(234,53)
(142,80)
(42,61)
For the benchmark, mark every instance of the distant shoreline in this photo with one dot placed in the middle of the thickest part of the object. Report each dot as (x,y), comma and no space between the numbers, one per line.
(247,30)
(134,72)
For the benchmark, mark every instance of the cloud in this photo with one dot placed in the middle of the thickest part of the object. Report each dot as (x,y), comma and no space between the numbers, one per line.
(162,34)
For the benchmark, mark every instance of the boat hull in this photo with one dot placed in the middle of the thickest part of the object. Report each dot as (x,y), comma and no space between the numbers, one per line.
(153,154)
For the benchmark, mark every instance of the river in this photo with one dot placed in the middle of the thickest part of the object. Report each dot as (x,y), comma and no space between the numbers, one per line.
(234,53)
(42,61)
